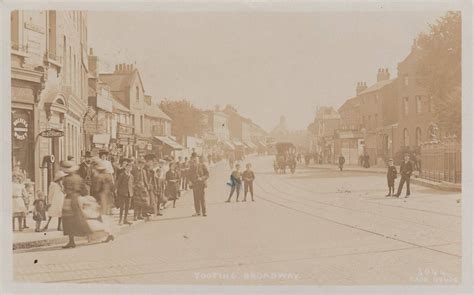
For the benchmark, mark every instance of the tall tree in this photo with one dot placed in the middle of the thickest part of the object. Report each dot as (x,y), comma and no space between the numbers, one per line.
(440,67)
(188,120)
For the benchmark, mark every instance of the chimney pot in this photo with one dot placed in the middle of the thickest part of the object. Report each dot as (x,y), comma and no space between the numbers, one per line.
(91,51)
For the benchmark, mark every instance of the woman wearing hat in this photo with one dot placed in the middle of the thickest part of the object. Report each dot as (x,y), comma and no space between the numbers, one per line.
(102,190)
(74,222)
(56,199)
(172,179)
(140,191)
(19,193)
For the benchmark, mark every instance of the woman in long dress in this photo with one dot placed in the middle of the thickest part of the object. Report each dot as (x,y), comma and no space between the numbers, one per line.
(56,199)
(102,190)
(74,222)
(172,179)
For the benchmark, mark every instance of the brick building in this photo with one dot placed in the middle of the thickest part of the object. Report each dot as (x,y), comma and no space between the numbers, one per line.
(414,106)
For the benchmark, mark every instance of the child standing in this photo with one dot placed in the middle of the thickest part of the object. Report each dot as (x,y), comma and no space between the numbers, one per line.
(391,176)
(19,195)
(39,211)
(248,177)
(236,182)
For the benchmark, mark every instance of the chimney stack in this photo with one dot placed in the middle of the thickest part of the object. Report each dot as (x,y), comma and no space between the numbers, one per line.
(361,86)
(91,51)
(383,74)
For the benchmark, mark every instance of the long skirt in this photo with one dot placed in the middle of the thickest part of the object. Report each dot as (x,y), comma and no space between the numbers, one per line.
(74,222)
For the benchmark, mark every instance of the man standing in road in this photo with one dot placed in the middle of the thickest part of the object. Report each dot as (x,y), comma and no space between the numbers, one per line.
(248,177)
(406,169)
(342,160)
(198,175)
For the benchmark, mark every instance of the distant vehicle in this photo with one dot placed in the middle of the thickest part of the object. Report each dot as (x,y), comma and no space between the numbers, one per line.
(285,157)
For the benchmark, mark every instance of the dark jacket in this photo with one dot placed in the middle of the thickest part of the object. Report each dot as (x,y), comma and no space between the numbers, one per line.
(406,169)
(391,172)
(196,172)
(85,172)
(125,185)
(342,160)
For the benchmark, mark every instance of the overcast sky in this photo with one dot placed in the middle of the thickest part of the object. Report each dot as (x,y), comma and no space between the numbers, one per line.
(266,64)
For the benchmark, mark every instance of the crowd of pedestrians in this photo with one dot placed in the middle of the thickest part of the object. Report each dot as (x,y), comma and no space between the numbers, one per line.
(81,197)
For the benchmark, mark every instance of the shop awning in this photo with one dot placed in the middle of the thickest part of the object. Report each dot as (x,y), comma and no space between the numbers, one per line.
(103,138)
(229,145)
(169,142)
(262,144)
(238,143)
(250,144)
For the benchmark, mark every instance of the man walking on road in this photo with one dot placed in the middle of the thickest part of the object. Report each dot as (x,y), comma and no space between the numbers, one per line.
(198,175)
(342,160)
(406,169)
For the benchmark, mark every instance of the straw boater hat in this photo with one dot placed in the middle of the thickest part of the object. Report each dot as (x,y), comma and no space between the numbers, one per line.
(69,166)
(60,174)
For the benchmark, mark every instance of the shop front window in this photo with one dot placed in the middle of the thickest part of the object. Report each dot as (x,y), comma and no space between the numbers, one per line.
(23,141)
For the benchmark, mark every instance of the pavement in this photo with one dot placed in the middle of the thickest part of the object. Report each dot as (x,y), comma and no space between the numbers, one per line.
(444,186)
(28,238)
(314,227)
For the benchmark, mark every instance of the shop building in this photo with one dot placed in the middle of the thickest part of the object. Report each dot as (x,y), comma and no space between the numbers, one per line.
(49,90)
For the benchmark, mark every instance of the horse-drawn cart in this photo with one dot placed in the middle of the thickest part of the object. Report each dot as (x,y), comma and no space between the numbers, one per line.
(285,157)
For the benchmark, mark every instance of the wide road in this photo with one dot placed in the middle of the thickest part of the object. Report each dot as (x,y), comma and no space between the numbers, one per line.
(314,227)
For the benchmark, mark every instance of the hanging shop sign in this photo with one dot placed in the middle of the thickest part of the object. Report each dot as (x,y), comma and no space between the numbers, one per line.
(20,129)
(51,133)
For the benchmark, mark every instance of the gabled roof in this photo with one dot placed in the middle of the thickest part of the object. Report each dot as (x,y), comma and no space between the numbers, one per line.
(377,86)
(154,111)
(121,81)
(116,104)
(350,103)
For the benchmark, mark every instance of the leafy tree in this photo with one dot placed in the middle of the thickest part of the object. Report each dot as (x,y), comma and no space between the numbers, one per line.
(188,120)
(440,66)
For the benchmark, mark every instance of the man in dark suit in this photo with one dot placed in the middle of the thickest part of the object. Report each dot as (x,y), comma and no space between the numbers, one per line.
(85,170)
(198,175)
(125,190)
(406,169)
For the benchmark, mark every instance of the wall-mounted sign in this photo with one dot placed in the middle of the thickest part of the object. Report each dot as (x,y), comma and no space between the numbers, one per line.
(34,27)
(20,129)
(50,133)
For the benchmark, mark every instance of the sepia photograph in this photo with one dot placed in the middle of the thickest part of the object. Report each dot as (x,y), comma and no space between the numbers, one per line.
(237,144)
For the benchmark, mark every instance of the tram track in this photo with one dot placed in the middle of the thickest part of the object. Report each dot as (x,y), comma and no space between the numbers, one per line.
(349,225)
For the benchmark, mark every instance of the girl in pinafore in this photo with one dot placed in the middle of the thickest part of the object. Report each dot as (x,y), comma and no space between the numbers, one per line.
(19,194)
